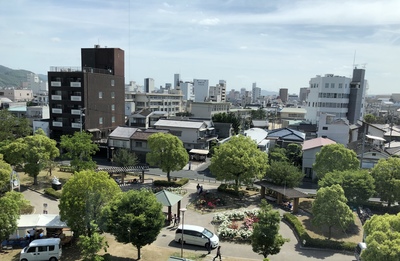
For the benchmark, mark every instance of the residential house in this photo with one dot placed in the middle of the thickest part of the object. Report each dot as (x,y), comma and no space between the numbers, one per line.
(193,134)
(310,150)
(285,136)
(139,144)
(120,138)
(339,130)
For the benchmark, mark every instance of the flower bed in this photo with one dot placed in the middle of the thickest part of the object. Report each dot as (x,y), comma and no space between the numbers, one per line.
(209,200)
(235,225)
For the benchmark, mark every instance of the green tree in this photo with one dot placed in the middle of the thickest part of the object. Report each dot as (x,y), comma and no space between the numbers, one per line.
(134,217)
(277,154)
(369,118)
(330,209)
(382,238)
(83,197)
(387,179)
(90,245)
(294,154)
(167,152)
(80,150)
(228,118)
(259,114)
(358,185)
(125,158)
(10,205)
(240,160)
(335,157)
(32,153)
(5,172)
(285,174)
(12,128)
(266,239)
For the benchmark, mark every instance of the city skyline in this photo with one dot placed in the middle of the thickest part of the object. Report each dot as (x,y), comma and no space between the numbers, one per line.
(277,44)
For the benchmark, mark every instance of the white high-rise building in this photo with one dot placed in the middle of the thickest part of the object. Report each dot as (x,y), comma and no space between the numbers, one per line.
(256,93)
(187,91)
(217,93)
(148,85)
(339,96)
(200,90)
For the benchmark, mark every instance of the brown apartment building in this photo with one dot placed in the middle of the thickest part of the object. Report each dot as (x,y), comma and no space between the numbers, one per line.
(88,98)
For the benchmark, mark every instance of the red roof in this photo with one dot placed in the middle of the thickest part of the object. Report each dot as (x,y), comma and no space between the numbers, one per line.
(317,142)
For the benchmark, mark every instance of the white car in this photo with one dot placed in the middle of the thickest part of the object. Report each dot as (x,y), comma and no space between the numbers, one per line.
(196,235)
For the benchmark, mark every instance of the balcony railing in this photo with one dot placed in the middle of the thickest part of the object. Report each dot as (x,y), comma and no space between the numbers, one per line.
(76,125)
(55,84)
(56,110)
(80,69)
(76,112)
(75,84)
(56,97)
(76,98)
(57,124)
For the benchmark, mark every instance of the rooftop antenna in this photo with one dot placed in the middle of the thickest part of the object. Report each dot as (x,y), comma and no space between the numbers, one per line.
(354,59)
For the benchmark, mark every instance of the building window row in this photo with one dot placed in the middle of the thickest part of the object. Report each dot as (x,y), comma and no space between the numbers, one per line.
(328,105)
(333,95)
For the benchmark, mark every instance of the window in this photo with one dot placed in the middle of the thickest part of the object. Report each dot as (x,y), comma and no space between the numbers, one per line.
(138,144)
(51,248)
(340,85)
(31,250)
(101,120)
(113,119)
(100,95)
(42,248)
(112,95)
(332,85)
(325,128)
(326,85)
(113,107)
(112,82)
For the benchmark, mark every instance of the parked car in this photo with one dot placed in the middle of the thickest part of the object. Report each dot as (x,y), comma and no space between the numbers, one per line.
(196,235)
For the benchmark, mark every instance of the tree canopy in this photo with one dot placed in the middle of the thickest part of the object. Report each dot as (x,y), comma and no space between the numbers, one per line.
(335,157)
(83,197)
(370,118)
(330,209)
(5,171)
(124,158)
(10,205)
(32,153)
(382,238)
(294,154)
(285,174)
(266,239)
(80,150)
(387,179)
(277,154)
(134,217)
(259,114)
(12,128)
(358,185)
(228,118)
(167,152)
(240,160)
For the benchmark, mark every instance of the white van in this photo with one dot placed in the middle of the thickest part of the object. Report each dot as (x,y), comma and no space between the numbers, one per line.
(42,249)
(359,248)
(196,235)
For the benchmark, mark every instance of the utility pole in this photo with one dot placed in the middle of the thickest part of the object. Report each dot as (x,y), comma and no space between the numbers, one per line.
(80,117)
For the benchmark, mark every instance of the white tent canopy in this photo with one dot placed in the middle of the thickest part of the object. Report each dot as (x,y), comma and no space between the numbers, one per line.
(41,220)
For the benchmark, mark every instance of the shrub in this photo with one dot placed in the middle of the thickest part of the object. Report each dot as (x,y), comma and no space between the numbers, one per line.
(316,242)
(174,184)
(52,192)
(229,189)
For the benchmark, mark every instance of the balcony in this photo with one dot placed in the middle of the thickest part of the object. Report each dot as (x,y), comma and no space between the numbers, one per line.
(76,112)
(76,125)
(75,84)
(76,98)
(56,110)
(55,84)
(56,97)
(57,124)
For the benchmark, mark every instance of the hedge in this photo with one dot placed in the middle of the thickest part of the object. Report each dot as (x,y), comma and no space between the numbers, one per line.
(229,189)
(174,184)
(52,192)
(316,242)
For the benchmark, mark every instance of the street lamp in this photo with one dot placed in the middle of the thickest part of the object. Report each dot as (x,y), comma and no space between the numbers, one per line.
(183,223)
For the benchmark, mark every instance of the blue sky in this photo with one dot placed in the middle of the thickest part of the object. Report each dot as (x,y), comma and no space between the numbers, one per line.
(275,43)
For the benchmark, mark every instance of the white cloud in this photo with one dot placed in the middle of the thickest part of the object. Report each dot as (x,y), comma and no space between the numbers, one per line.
(55,39)
(209,21)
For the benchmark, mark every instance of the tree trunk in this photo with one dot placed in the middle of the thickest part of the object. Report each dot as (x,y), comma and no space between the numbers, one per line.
(169,176)
(237,185)
(138,253)
(329,232)
(35,180)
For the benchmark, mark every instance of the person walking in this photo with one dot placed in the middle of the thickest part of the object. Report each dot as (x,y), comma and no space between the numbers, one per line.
(175,220)
(218,253)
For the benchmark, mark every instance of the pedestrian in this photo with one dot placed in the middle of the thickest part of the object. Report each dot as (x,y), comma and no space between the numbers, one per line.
(175,220)
(28,236)
(209,246)
(198,188)
(201,189)
(218,253)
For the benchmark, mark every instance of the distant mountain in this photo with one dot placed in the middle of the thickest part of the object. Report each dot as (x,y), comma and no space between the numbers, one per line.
(12,78)
(268,93)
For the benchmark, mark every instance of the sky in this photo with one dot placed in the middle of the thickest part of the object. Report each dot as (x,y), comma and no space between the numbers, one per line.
(275,43)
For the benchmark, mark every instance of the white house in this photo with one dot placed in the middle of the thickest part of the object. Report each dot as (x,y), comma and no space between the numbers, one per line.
(310,150)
